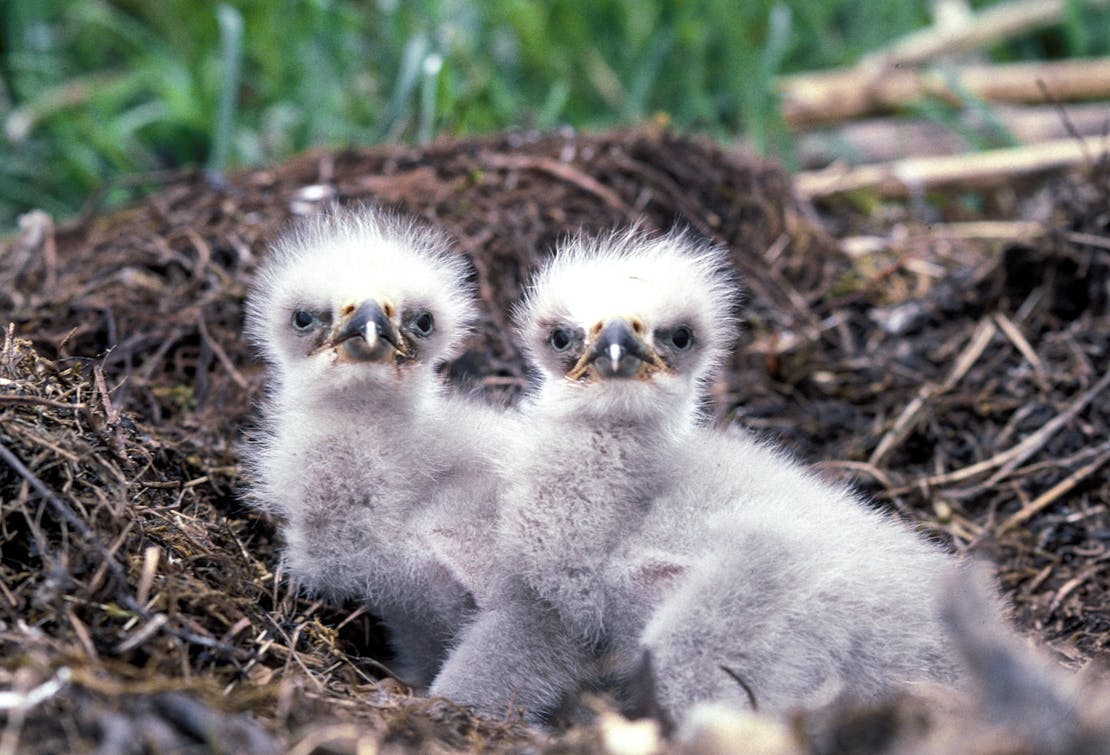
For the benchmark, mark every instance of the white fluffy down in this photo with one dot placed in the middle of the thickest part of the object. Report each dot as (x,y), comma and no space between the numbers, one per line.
(370,464)
(588,464)
(628,526)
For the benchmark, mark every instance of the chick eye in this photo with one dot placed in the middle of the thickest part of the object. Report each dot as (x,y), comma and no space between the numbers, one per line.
(424,324)
(303,320)
(560,339)
(682,338)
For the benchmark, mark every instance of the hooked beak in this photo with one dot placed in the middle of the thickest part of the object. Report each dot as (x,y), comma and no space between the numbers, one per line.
(367,335)
(617,352)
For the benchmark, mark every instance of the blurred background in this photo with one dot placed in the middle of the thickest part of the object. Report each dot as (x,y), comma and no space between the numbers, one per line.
(95,90)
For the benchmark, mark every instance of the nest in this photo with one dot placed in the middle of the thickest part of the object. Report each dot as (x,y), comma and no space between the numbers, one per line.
(963,384)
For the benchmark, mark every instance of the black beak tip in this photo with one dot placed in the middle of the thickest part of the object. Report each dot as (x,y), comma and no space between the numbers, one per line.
(368,312)
(617,340)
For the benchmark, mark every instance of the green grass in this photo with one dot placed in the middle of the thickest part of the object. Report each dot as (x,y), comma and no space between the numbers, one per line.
(93,89)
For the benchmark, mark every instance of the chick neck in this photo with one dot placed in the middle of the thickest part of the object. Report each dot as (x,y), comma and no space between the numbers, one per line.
(385,396)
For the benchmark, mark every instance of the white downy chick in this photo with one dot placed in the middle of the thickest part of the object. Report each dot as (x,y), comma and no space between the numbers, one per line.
(363,455)
(624,330)
(1015,699)
(640,527)
(631,527)
(804,595)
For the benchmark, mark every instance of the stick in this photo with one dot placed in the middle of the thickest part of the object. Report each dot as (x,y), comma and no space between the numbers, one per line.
(562,171)
(1017,338)
(898,432)
(876,140)
(977,170)
(825,97)
(1016,454)
(1051,495)
(221,355)
(37,401)
(998,22)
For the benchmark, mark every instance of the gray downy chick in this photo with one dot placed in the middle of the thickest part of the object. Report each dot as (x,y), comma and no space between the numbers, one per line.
(804,596)
(628,526)
(624,331)
(370,464)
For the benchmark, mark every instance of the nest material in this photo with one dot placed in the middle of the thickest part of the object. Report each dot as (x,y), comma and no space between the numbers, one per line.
(962,384)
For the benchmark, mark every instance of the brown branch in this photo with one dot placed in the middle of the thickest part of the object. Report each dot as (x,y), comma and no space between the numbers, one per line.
(102,387)
(876,140)
(1018,339)
(825,97)
(562,171)
(977,170)
(110,563)
(36,401)
(1015,455)
(221,355)
(1050,496)
(975,230)
(65,513)
(1068,587)
(998,22)
(902,427)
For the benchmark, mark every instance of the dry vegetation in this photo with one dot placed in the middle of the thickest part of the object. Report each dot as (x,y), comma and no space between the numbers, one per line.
(962,381)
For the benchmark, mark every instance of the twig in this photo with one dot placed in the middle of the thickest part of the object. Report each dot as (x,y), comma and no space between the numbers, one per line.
(1015,455)
(149,630)
(1090,239)
(563,172)
(101,385)
(1068,587)
(998,22)
(826,97)
(1037,440)
(60,508)
(221,354)
(976,170)
(856,466)
(977,344)
(1007,326)
(1047,498)
(979,230)
(110,563)
(291,647)
(677,194)
(354,615)
(35,400)
(150,567)
(82,633)
(896,137)
(11,700)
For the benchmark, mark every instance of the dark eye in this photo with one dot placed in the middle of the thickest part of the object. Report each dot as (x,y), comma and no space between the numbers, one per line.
(560,339)
(303,320)
(682,338)
(424,324)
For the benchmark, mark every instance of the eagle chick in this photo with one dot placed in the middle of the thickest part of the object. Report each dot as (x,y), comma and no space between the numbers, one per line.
(364,456)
